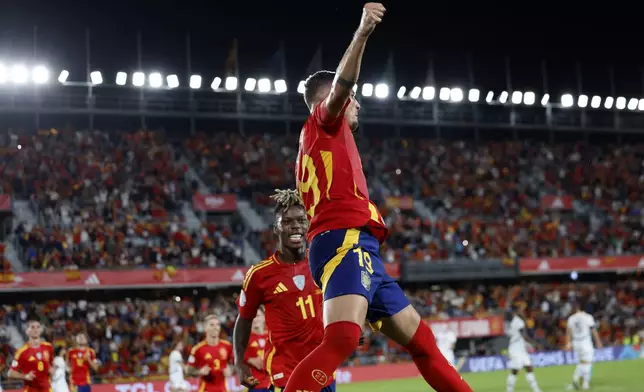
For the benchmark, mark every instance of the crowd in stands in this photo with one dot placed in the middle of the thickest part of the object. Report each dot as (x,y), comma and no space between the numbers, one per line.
(134,337)
(483,199)
(107,200)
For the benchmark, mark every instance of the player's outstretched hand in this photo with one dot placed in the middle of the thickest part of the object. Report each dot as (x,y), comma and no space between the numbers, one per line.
(204,371)
(29,376)
(372,15)
(246,376)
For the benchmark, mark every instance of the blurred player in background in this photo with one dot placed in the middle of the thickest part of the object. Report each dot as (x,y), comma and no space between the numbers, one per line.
(80,360)
(580,332)
(210,358)
(518,356)
(446,341)
(255,353)
(176,368)
(346,231)
(33,362)
(292,301)
(58,379)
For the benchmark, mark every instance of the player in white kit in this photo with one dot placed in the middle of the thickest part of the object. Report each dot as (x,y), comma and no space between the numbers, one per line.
(446,340)
(58,379)
(518,356)
(580,333)
(177,382)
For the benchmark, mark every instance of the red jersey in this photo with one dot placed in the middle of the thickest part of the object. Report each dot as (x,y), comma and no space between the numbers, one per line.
(215,356)
(37,360)
(293,307)
(330,180)
(257,348)
(79,364)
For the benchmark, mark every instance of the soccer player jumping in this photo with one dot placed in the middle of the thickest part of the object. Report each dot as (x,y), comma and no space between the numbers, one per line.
(346,231)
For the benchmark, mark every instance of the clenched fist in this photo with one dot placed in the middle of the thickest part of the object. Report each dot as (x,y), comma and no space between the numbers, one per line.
(372,14)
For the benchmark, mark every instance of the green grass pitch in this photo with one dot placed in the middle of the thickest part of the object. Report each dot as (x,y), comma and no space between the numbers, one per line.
(627,376)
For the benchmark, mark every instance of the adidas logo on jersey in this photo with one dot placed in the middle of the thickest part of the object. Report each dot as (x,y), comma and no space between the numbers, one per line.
(280,288)
(93,279)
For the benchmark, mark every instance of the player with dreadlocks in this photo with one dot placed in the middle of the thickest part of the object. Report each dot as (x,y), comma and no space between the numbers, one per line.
(292,301)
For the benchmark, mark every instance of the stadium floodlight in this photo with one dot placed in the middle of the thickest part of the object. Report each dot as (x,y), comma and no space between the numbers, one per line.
(640,106)
(138,79)
(216,83)
(280,86)
(489,97)
(517,97)
(367,90)
(40,74)
(301,87)
(566,100)
(381,91)
(3,74)
(444,93)
(620,103)
(156,80)
(456,94)
(474,95)
(64,74)
(172,80)
(250,84)
(632,104)
(96,77)
(19,74)
(608,102)
(401,92)
(195,82)
(529,98)
(121,78)
(264,85)
(595,102)
(429,93)
(503,98)
(582,101)
(415,92)
(545,99)
(231,83)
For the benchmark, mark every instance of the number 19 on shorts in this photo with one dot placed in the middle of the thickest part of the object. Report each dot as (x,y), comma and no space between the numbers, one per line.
(364,260)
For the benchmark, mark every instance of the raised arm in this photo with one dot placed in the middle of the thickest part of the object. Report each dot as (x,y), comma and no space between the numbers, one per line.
(349,68)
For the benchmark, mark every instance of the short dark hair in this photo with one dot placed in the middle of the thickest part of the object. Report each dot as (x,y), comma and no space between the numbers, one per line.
(314,83)
(57,350)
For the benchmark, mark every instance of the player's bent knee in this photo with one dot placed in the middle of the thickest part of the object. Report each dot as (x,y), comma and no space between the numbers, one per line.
(350,307)
(402,326)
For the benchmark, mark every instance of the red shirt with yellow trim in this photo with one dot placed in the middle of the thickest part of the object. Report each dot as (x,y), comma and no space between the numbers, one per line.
(330,179)
(257,344)
(37,360)
(293,310)
(80,369)
(216,357)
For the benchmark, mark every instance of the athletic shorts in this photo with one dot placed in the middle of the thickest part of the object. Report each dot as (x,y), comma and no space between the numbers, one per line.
(330,388)
(82,388)
(347,261)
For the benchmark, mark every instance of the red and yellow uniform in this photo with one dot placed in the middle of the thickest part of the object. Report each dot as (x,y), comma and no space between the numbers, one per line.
(330,179)
(216,357)
(293,310)
(80,368)
(257,345)
(37,360)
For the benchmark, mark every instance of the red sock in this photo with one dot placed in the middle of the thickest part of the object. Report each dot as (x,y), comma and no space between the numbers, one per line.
(432,364)
(313,373)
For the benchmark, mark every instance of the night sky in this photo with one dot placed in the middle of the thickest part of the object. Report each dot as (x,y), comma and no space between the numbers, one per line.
(567,34)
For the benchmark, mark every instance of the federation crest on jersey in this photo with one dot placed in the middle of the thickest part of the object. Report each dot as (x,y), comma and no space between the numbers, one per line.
(262,343)
(299,281)
(39,356)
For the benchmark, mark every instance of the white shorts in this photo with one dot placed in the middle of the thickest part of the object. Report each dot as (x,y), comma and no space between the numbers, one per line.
(518,358)
(178,382)
(585,352)
(449,355)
